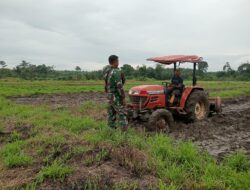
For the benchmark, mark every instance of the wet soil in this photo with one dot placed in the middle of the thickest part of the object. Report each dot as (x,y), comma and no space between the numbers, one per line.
(220,134)
(66,99)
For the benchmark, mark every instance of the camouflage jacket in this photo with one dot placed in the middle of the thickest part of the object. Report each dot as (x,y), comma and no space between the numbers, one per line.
(106,75)
(114,80)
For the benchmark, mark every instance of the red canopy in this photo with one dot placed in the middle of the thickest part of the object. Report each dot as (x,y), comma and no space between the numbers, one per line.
(176,58)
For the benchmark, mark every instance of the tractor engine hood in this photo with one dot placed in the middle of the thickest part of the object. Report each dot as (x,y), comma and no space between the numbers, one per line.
(146,90)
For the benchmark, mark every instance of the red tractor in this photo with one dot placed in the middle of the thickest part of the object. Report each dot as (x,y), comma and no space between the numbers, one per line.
(150,102)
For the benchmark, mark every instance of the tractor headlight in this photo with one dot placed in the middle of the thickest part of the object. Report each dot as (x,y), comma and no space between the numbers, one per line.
(134,92)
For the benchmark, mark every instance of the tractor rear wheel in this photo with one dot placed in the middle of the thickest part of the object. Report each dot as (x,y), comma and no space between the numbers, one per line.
(161,120)
(197,106)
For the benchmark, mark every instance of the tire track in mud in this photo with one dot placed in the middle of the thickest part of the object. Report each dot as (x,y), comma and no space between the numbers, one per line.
(236,108)
(222,133)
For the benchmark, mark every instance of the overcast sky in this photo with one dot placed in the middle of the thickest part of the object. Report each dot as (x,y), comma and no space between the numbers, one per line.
(66,33)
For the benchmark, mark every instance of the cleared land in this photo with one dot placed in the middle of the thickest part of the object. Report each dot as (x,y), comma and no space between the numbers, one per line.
(53,136)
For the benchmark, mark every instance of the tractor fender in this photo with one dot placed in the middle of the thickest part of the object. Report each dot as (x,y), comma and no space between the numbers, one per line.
(186,93)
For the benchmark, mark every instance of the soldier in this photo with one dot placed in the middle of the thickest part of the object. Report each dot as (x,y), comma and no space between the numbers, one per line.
(114,81)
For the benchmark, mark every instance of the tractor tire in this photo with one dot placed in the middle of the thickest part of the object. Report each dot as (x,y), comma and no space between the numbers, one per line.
(161,120)
(197,106)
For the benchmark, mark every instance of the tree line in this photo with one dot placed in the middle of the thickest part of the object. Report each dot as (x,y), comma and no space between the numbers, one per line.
(28,71)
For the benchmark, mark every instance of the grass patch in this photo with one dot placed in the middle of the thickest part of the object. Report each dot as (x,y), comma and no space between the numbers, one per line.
(125,185)
(238,162)
(56,171)
(13,155)
(48,145)
(91,105)
(96,159)
(15,136)
(78,150)
(75,124)
(231,93)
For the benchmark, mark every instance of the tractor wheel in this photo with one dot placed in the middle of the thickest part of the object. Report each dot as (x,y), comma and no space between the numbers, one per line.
(197,106)
(161,120)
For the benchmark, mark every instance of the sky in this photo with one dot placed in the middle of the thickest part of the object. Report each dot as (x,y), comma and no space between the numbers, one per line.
(70,33)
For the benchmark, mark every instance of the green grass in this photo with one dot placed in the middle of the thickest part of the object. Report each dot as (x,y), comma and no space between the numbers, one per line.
(14,87)
(75,124)
(14,156)
(124,185)
(176,164)
(231,93)
(56,171)
(238,162)
(91,105)
(96,159)
(14,136)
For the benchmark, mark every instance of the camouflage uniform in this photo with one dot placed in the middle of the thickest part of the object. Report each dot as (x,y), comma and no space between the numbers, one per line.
(114,81)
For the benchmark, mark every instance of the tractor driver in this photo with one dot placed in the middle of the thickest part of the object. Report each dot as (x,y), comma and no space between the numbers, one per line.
(175,87)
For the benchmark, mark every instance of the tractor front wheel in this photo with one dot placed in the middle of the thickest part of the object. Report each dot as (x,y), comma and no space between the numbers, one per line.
(161,120)
(197,106)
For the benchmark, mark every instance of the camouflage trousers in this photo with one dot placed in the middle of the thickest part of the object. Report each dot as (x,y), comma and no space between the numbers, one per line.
(116,111)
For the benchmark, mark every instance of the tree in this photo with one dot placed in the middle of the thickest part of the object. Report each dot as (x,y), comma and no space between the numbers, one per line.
(4,72)
(28,71)
(244,71)
(227,68)
(128,70)
(159,69)
(43,70)
(78,72)
(78,68)
(142,71)
(244,68)
(150,72)
(24,70)
(202,67)
(3,64)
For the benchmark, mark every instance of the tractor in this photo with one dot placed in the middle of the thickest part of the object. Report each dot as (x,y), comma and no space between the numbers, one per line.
(150,103)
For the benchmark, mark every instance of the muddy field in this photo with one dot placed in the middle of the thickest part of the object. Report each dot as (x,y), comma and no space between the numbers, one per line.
(220,134)
(64,99)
